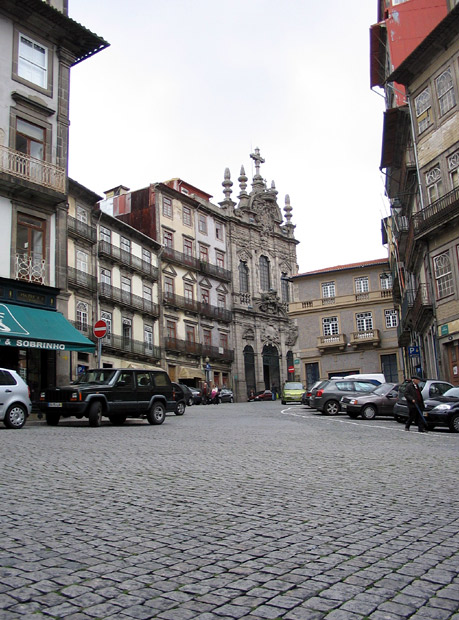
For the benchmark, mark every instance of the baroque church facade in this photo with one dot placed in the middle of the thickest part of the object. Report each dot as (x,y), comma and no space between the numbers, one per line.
(262,247)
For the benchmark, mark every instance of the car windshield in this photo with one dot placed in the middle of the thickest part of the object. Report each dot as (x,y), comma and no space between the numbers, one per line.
(291,385)
(452,392)
(361,386)
(383,389)
(96,376)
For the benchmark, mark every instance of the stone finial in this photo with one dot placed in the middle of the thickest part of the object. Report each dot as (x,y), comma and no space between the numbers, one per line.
(273,189)
(288,210)
(227,184)
(242,183)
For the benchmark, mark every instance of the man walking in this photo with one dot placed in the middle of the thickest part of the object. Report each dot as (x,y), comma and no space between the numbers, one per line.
(415,405)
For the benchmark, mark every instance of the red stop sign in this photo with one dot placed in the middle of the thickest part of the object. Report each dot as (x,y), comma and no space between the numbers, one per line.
(100,328)
(291,368)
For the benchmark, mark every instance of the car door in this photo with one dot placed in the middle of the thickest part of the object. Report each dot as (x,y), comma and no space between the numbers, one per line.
(163,387)
(144,388)
(122,397)
(388,402)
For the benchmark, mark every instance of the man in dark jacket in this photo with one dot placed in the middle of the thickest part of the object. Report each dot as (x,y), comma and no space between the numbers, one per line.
(415,402)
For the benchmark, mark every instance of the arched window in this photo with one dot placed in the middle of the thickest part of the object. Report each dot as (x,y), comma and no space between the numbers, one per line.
(82,312)
(265,280)
(243,277)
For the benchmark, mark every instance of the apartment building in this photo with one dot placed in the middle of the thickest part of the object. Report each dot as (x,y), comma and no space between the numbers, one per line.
(39,44)
(420,157)
(347,322)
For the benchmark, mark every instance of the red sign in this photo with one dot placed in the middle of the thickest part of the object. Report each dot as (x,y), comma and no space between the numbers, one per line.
(100,328)
(291,368)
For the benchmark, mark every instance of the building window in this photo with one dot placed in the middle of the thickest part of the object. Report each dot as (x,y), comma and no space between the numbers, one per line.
(82,263)
(188,247)
(32,61)
(148,338)
(107,317)
(105,234)
(391,318)
(126,289)
(30,139)
(147,293)
(167,207)
(453,168)
(189,293)
(265,280)
(125,245)
(385,281)
(243,277)
(204,253)
(202,224)
(330,326)
(445,91)
(219,230)
(127,333)
(364,321)
(146,256)
(224,341)
(207,337)
(190,332)
(168,239)
(220,259)
(328,290)
(106,276)
(171,329)
(81,214)
(30,248)
(443,275)
(422,105)
(285,289)
(205,297)
(168,286)
(82,313)
(362,285)
(221,300)
(187,220)
(434,184)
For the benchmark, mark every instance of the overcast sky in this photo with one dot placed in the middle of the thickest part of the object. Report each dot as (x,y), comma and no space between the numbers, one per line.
(190,87)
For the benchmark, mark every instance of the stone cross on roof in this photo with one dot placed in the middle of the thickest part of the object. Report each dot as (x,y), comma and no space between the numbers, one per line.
(258,159)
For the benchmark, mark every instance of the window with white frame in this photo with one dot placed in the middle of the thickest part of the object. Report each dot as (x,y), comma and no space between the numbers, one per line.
(167,207)
(147,293)
(204,253)
(391,317)
(107,317)
(328,289)
(265,279)
(168,239)
(81,214)
(82,261)
(364,321)
(105,234)
(362,284)
(445,91)
(106,276)
(146,256)
(330,326)
(186,213)
(219,230)
(423,107)
(443,275)
(385,280)
(126,288)
(148,337)
(82,314)
(434,183)
(125,244)
(221,300)
(202,224)
(32,61)
(453,169)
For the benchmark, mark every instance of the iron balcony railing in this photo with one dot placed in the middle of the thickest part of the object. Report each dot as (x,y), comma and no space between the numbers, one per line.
(191,261)
(81,229)
(76,277)
(34,170)
(128,299)
(437,213)
(130,346)
(30,267)
(128,259)
(185,303)
(217,353)
(183,346)
(422,307)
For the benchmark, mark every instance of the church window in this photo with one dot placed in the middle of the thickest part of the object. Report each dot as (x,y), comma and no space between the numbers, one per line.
(265,280)
(243,277)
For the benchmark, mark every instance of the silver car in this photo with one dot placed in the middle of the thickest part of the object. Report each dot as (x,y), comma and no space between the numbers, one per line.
(15,403)
(430,388)
(326,397)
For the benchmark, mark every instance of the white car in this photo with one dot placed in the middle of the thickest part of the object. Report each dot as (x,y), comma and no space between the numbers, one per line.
(15,403)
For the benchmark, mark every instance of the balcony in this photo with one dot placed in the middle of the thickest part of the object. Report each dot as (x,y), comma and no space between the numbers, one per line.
(188,260)
(341,301)
(197,307)
(127,299)
(30,268)
(369,336)
(26,168)
(401,228)
(188,347)
(81,279)
(438,213)
(335,341)
(217,353)
(407,308)
(422,308)
(136,348)
(81,229)
(403,335)
(126,258)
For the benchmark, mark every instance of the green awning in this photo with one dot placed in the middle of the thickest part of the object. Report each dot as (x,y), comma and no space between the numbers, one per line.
(32,328)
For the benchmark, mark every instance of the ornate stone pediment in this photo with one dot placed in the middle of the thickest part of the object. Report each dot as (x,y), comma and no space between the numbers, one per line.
(270,303)
(270,334)
(291,335)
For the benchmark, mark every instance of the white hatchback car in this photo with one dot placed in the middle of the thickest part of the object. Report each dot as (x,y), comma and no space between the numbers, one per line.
(15,403)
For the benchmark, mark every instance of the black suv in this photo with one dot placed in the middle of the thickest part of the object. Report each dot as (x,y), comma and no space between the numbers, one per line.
(117,393)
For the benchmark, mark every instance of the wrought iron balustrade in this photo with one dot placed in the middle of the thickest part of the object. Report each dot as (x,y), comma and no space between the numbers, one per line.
(31,169)
(81,228)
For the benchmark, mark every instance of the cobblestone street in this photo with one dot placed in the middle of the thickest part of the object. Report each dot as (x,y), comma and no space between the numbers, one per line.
(240,511)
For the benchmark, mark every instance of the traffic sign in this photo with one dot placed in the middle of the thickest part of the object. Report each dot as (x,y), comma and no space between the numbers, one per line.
(100,328)
(413,351)
(291,368)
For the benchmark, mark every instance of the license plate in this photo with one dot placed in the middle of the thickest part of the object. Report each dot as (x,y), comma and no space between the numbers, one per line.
(54,404)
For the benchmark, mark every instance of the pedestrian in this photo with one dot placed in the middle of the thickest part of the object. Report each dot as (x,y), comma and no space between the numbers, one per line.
(214,395)
(416,406)
(204,393)
(274,392)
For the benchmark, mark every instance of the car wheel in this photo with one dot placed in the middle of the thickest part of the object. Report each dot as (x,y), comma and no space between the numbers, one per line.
(283,402)
(157,414)
(231,399)
(15,417)
(368,412)
(52,419)
(180,410)
(353,416)
(331,407)
(117,420)
(190,401)
(95,414)
(454,424)
(399,419)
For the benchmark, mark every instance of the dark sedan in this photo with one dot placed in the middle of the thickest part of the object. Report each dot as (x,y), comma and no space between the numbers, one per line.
(441,410)
(379,402)
(225,395)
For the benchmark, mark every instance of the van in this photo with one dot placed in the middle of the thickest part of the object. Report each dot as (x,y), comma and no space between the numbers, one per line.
(376,378)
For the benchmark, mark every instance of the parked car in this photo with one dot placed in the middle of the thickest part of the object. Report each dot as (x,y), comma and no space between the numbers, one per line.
(197,395)
(307,395)
(225,395)
(15,403)
(262,395)
(430,388)
(183,395)
(117,393)
(292,391)
(327,396)
(188,394)
(379,402)
(440,410)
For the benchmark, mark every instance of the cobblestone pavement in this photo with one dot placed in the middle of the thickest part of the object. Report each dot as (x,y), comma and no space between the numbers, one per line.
(247,511)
